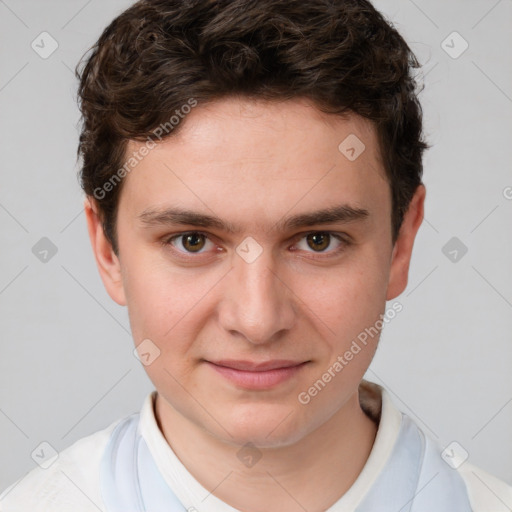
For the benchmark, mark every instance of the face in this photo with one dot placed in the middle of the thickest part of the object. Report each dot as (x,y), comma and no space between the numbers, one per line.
(252,253)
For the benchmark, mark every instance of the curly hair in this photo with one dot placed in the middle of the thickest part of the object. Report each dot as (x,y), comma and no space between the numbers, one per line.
(159,54)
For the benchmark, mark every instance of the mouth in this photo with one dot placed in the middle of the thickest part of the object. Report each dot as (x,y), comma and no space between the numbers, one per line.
(257,375)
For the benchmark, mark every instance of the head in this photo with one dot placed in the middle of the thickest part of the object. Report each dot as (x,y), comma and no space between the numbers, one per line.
(253,181)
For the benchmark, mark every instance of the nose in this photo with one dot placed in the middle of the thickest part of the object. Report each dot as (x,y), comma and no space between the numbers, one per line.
(257,303)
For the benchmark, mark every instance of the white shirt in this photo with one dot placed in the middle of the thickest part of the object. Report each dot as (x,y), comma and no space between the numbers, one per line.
(76,481)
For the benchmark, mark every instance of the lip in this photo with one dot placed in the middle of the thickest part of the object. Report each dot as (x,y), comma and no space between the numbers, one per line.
(257,375)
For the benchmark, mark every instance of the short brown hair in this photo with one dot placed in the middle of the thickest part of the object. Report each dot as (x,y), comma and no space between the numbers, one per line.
(158,54)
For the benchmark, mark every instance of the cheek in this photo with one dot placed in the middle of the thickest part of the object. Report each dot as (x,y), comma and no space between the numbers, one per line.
(164,304)
(346,299)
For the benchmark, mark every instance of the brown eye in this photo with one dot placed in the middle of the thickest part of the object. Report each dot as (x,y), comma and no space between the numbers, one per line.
(193,242)
(318,241)
(322,244)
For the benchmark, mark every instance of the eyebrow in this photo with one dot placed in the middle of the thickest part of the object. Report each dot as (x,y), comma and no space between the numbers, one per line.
(178,216)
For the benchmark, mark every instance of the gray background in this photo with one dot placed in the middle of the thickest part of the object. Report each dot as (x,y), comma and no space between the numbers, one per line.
(67,367)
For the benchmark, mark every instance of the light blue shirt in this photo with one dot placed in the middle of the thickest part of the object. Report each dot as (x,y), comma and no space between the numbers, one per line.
(414,479)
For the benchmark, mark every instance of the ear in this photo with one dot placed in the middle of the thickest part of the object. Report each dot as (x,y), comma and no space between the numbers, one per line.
(108,263)
(402,249)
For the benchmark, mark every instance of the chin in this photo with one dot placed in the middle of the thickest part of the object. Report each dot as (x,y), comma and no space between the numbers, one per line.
(265,425)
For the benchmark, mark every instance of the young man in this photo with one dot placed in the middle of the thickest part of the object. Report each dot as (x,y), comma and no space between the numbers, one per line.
(253,181)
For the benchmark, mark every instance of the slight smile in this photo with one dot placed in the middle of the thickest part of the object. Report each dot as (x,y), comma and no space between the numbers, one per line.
(257,375)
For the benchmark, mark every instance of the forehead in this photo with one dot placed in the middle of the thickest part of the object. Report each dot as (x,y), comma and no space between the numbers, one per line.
(258,159)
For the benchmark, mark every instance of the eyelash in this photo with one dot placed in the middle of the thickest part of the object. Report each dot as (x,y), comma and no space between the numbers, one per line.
(344,243)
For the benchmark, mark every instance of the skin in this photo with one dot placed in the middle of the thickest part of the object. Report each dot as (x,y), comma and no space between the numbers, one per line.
(253,163)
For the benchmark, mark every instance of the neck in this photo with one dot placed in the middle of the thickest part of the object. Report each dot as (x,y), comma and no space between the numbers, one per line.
(311,474)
